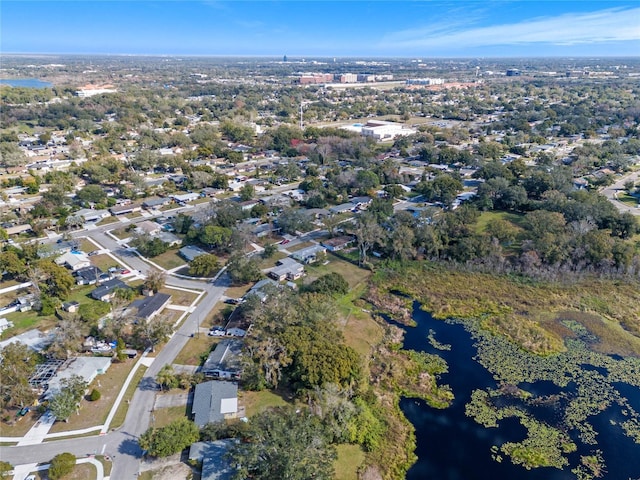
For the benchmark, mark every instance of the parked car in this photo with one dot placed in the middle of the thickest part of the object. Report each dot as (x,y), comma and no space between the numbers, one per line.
(95,252)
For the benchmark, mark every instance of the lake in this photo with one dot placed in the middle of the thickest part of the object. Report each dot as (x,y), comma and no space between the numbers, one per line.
(452,446)
(25,82)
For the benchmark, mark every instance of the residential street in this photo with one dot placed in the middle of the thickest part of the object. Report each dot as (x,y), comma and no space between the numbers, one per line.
(122,444)
(612,191)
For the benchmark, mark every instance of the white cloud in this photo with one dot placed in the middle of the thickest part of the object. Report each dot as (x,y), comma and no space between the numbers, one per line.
(610,25)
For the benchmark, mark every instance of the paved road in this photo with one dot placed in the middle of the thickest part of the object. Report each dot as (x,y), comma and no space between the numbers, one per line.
(122,444)
(612,191)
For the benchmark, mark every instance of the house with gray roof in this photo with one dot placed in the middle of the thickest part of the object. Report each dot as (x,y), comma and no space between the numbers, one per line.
(189,252)
(215,465)
(224,361)
(214,401)
(309,254)
(105,291)
(148,307)
(85,367)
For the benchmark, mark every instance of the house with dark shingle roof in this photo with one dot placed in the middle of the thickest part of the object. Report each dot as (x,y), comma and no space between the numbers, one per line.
(105,291)
(148,307)
(224,361)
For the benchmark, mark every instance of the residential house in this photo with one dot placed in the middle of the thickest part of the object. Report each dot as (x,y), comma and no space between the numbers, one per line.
(34,339)
(125,209)
(338,243)
(287,269)
(189,252)
(87,275)
(316,213)
(17,229)
(5,324)
(342,208)
(90,215)
(170,238)
(148,227)
(265,230)
(73,260)
(185,197)
(224,361)
(105,291)
(212,455)
(361,202)
(71,307)
(214,401)
(310,254)
(156,203)
(148,307)
(261,288)
(86,368)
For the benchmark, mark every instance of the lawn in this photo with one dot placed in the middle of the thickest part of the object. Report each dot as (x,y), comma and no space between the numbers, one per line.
(104,262)
(256,402)
(350,458)
(24,321)
(133,215)
(486,217)
(180,297)
(353,274)
(107,221)
(194,349)
(121,233)
(164,416)
(20,425)
(271,261)
(169,259)
(238,291)
(121,413)
(300,246)
(629,199)
(87,245)
(95,413)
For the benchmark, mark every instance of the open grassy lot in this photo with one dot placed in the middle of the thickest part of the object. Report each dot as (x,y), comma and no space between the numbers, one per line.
(95,413)
(107,221)
(169,259)
(121,233)
(486,217)
(194,349)
(104,262)
(180,297)
(87,245)
(164,416)
(17,426)
(350,458)
(84,471)
(353,274)
(256,402)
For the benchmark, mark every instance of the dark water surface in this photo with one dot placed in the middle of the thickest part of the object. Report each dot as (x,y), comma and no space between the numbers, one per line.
(25,82)
(452,446)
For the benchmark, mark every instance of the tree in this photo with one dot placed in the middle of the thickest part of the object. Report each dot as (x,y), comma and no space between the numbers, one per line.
(95,395)
(283,444)
(330,284)
(167,377)
(368,232)
(92,193)
(292,221)
(150,333)
(204,265)
(155,280)
(173,438)
(270,250)
(247,192)
(66,401)
(61,465)
(17,364)
(55,280)
(243,270)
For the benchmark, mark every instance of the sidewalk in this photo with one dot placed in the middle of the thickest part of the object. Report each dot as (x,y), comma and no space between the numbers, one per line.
(39,431)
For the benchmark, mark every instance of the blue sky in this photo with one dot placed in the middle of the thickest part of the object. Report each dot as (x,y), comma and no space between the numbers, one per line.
(398,28)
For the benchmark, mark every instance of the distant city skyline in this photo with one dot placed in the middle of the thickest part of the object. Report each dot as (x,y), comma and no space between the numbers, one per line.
(492,28)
